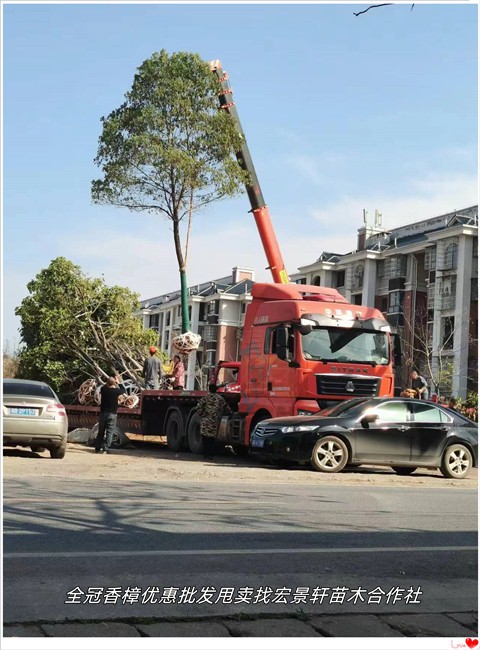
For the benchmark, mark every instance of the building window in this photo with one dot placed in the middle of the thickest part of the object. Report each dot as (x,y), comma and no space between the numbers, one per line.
(201,312)
(474,290)
(448,330)
(168,318)
(357,299)
(316,281)
(380,268)
(301,281)
(338,279)
(451,257)
(383,304)
(357,276)
(153,322)
(395,301)
(213,306)
(430,262)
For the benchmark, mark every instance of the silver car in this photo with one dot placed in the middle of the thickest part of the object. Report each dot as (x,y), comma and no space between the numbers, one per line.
(33,417)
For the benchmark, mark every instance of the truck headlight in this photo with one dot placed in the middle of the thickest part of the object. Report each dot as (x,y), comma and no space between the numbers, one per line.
(299,427)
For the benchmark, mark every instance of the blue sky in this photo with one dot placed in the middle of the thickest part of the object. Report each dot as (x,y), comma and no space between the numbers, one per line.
(341,113)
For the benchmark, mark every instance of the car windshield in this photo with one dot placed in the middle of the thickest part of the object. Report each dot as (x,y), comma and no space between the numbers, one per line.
(348,408)
(346,345)
(27,388)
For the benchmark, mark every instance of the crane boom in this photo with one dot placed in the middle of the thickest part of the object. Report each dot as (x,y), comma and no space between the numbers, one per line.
(257,202)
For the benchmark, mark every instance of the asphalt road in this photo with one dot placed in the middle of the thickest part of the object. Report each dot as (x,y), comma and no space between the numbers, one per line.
(244,546)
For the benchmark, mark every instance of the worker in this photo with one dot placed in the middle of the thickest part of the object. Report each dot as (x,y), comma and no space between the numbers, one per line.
(419,384)
(211,408)
(152,370)
(178,373)
(110,393)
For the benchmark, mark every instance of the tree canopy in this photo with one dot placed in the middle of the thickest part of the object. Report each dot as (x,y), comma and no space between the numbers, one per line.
(168,149)
(74,327)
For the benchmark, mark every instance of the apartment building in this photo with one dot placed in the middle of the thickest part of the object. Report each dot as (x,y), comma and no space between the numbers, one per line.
(216,310)
(424,278)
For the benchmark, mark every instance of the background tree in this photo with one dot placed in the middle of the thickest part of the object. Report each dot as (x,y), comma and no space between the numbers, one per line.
(434,361)
(73,326)
(168,149)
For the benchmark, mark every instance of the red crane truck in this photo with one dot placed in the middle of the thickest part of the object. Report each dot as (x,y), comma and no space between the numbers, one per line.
(303,347)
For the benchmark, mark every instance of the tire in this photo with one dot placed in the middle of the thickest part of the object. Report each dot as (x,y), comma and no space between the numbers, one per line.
(240,450)
(194,439)
(174,431)
(119,439)
(456,461)
(330,455)
(403,471)
(58,452)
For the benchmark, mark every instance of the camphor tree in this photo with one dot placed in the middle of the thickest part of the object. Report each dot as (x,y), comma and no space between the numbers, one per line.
(168,149)
(73,327)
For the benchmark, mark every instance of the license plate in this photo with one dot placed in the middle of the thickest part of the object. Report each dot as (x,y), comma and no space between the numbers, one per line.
(257,442)
(23,411)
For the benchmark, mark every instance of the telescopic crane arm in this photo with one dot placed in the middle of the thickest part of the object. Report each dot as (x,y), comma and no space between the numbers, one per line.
(259,209)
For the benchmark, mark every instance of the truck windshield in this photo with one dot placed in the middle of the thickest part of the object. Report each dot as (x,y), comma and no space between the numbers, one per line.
(346,345)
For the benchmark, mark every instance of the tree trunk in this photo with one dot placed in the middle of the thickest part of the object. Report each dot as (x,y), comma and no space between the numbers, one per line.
(183,276)
(184,299)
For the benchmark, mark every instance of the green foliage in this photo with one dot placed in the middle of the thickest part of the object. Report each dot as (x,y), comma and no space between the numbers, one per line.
(73,325)
(169,149)
(168,140)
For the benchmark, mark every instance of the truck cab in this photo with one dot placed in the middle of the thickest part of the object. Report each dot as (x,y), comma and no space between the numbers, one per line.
(305,348)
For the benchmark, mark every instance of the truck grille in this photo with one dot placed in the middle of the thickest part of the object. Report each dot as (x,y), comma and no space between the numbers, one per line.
(347,385)
(263,430)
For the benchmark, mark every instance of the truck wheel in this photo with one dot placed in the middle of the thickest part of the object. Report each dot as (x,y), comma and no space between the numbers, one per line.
(174,431)
(194,439)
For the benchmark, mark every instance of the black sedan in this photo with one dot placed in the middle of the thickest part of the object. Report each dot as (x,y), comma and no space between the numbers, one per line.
(399,432)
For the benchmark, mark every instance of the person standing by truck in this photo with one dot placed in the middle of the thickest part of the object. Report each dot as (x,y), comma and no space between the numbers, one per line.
(211,408)
(152,370)
(419,384)
(110,393)
(178,373)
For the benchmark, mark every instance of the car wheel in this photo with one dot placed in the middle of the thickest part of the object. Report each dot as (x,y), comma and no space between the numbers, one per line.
(403,471)
(58,452)
(330,454)
(456,461)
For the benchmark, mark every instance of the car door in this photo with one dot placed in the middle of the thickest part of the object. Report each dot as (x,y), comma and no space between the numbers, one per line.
(387,440)
(430,428)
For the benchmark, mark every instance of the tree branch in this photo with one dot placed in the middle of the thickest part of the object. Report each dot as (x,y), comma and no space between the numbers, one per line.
(385,4)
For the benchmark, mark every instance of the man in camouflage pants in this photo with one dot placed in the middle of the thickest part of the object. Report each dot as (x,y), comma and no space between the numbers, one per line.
(211,408)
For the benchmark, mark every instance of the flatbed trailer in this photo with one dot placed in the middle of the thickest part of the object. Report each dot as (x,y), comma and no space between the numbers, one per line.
(169,413)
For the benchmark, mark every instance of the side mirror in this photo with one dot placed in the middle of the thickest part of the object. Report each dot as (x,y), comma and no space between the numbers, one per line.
(282,350)
(397,350)
(370,418)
